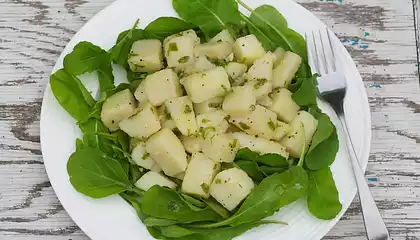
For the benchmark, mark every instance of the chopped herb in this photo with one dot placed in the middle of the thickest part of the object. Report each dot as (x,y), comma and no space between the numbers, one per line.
(205,120)
(243,126)
(215,105)
(233,144)
(132,54)
(221,62)
(187,109)
(272,125)
(145,155)
(217,181)
(173,47)
(203,75)
(220,40)
(184,59)
(167,114)
(260,83)
(205,187)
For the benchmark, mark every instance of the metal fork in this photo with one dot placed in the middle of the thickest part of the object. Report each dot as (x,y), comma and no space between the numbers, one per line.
(332,89)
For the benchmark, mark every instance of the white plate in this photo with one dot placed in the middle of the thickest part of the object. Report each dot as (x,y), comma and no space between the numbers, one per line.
(112,218)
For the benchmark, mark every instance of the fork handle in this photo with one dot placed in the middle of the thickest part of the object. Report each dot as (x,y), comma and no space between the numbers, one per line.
(374,224)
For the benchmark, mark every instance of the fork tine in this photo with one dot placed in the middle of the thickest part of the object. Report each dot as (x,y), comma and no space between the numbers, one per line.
(315,56)
(333,64)
(323,53)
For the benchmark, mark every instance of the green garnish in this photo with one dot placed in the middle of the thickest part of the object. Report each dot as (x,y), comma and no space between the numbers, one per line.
(187,109)
(184,59)
(173,47)
(243,126)
(260,83)
(272,125)
(204,120)
(233,144)
(205,187)
(145,155)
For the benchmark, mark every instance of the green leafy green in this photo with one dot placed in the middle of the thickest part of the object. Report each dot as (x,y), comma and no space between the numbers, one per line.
(324,130)
(152,222)
(211,16)
(194,204)
(134,77)
(267,170)
(91,130)
(166,26)
(134,200)
(174,231)
(323,155)
(213,204)
(251,168)
(271,159)
(95,174)
(323,200)
(85,57)
(165,203)
(306,94)
(271,194)
(71,94)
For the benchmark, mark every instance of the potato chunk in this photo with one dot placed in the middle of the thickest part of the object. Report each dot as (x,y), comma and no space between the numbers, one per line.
(261,122)
(119,106)
(187,33)
(262,68)
(283,105)
(223,36)
(201,64)
(151,179)
(161,86)
(215,121)
(235,70)
(179,51)
(140,93)
(214,51)
(146,56)
(241,101)
(168,152)
(142,158)
(301,132)
(210,105)
(181,110)
(281,130)
(207,85)
(219,147)
(199,175)
(286,70)
(247,49)
(165,118)
(192,144)
(143,124)
(230,187)
(279,52)
(260,145)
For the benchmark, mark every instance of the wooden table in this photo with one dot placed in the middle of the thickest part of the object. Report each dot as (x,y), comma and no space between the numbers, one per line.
(379,34)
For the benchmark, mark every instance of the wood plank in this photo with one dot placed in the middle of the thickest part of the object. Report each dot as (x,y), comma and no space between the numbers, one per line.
(379,34)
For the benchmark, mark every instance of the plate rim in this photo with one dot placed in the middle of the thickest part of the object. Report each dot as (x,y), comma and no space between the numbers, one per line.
(362,93)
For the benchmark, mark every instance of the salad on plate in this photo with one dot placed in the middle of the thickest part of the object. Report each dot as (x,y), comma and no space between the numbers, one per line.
(216,128)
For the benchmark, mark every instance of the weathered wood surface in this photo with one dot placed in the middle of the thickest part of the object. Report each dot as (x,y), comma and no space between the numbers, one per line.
(379,34)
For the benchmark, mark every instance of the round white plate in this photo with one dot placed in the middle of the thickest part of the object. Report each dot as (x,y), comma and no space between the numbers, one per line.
(112,218)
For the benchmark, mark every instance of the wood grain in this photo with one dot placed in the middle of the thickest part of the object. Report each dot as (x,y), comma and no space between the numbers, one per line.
(379,34)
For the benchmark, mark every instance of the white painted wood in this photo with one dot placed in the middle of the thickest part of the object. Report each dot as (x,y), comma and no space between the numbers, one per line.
(379,34)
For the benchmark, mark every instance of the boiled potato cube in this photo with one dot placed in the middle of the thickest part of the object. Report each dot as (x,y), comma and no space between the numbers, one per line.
(223,36)
(301,132)
(146,56)
(140,93)
(143,124)
(179,51)
(168,152)
(215,121)
(284,105)
(207,85)
(214,51)
(220,147)
(210,105)
(180,176)
(279,52)
(117,107)
(261,122)
(230,187)
(235,70)
(260,145)
(161,86)
(281,130)
(187,33)
(182,112)
(247,49)
(199,175)
(265,101)
(192,144)
(286,70)
(165,118)
(241,101)
(201,64)
(141,157)
(151,179)
(262,87)
(262,68)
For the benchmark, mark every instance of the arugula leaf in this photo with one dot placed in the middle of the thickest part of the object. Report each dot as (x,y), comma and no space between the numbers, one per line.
(251,168)
(79,143)
(91,138)
(323,200)
(306,94)
(133,77)
(165,203)
(85,57)
(265,199)
(267,170)
(194,204)
(95,174)
(323,155)
(166,26)
(219,209)
(105,77)
(134,200)
(134,173)
(175,231)
(211,16)
(152,222)
(247,154)
(271,159)
(71,94)
(324,130)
